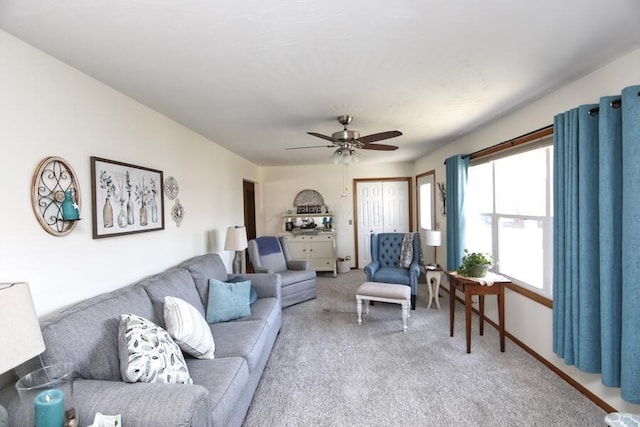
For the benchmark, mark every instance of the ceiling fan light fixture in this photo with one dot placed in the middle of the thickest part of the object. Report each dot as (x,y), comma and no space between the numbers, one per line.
(345,156)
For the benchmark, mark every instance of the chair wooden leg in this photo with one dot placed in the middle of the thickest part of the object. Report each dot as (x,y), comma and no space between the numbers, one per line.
(413,302)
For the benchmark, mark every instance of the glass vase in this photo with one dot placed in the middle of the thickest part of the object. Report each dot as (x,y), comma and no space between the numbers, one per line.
(130,219)
(143,215)
(154,210)
(69,207)
(107,214)
(50,378)
(122,216)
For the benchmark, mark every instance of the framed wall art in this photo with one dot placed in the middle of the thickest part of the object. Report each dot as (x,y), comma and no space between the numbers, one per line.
(126,198)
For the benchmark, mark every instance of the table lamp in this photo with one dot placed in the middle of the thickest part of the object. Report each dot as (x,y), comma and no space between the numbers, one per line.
(433,238)
(236,240)
(20,333)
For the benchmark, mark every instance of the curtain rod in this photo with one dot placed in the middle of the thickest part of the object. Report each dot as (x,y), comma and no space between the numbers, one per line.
(616,103)
(519,140)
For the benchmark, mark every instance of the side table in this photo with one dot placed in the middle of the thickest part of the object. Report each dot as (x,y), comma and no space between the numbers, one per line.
(492,284)
(434,278)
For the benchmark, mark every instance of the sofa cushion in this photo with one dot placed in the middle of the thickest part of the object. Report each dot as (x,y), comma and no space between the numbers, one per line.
(148,354)
(86,334)
(264,309)
(175,282)
(188,328)
(392,275)
(228,301)
(242,338)
(227,380)
(202,268)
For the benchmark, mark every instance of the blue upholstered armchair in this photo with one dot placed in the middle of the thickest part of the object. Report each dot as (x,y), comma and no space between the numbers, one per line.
(386,249)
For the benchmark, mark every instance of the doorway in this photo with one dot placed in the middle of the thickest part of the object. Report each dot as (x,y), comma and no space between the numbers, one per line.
(249,202)
(381,205)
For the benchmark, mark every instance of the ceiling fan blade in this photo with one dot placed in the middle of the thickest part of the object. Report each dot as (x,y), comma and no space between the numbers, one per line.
(310,146)
(379,136)
(319,135)
(382,147)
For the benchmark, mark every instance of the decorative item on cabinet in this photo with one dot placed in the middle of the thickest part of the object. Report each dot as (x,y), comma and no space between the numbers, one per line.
(55,196)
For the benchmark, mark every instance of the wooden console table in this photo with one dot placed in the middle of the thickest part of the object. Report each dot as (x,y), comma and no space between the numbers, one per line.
(477,286)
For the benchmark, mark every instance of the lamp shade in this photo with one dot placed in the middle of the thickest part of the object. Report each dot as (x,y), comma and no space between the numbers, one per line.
(433,237)
(20,335)
(236,239)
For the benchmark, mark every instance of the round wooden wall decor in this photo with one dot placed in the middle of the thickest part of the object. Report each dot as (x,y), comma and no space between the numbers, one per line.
(52,178)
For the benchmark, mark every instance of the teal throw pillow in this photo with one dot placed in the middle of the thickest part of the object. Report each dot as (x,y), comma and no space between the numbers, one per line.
(228,301)
(253,296)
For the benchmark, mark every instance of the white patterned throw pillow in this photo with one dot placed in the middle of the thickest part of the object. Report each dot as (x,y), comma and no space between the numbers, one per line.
(148,354)
(188,328)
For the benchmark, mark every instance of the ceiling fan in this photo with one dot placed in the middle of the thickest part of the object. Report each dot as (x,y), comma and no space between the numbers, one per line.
(347,141)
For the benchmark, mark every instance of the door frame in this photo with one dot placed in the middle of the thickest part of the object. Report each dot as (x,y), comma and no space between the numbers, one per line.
(409,182)
(249,208)
(433,206)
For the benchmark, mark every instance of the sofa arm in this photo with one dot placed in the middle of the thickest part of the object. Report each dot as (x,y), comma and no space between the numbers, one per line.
(267,285)
(142,404)
(370,269)
(297,264)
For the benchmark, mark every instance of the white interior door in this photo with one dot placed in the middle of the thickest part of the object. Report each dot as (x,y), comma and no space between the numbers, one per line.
(396,206)
(383,206)
(370,219)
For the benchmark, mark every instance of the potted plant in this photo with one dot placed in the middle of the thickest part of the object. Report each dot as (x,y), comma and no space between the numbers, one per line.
(475,264)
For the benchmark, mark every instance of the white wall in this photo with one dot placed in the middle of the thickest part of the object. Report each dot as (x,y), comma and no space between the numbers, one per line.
(530,322)
(281,184)
(50,109)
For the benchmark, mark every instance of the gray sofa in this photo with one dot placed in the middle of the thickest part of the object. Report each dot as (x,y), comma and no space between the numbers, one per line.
(86,335)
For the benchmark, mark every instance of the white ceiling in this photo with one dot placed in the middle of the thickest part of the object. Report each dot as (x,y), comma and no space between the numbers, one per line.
(255,76)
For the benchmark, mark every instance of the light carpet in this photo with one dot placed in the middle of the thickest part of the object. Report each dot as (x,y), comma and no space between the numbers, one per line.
(325,370)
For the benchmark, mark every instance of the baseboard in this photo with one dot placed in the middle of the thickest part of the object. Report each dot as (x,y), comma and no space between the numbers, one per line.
(575,384)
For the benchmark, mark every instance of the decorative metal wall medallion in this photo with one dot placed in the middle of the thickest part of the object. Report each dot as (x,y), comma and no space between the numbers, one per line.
(171,188)
(52,178)
(177,212)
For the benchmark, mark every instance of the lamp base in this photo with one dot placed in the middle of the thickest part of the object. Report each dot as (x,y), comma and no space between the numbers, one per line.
(237,262)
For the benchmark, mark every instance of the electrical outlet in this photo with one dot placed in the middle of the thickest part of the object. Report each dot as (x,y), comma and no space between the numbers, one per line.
(474,301)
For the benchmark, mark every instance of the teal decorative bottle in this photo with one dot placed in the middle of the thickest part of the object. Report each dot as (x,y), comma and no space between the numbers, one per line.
(69,208)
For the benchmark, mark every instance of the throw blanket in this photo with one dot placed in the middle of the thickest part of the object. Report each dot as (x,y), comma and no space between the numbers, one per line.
(268,245)
(406,252)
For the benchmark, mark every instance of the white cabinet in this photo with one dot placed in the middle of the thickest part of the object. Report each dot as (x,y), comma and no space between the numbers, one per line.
(319,249)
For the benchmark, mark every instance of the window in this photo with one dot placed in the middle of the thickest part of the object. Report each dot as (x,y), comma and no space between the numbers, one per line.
(509,214)
(425,185)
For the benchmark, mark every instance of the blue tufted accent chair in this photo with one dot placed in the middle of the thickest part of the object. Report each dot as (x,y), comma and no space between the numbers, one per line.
(385,262)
